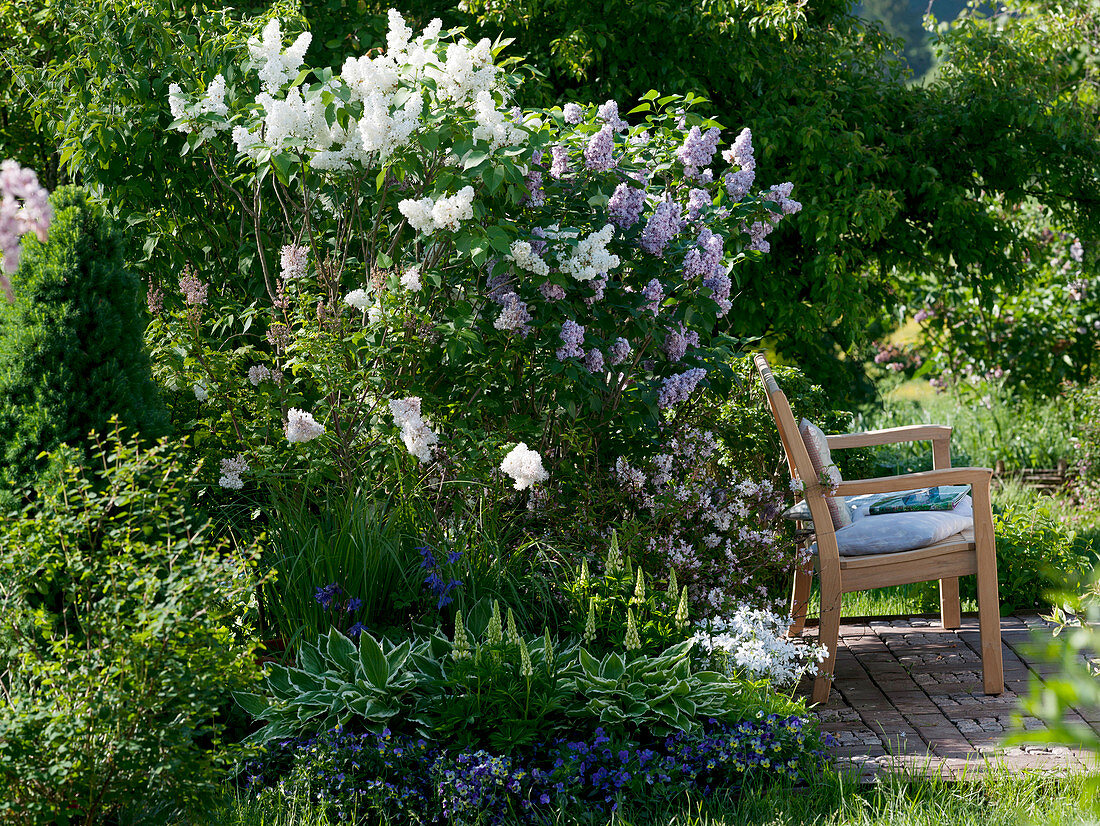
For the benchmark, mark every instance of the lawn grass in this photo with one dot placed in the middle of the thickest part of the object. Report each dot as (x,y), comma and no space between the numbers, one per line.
(997,799)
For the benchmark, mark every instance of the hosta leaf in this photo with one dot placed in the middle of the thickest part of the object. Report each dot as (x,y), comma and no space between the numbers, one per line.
(373,662)
(341,651)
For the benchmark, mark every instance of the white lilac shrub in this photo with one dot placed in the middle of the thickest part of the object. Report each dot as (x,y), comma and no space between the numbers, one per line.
(549,278)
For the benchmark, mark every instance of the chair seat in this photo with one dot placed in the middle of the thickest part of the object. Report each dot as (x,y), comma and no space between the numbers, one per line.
(893,533)
(954,556)
(960,541)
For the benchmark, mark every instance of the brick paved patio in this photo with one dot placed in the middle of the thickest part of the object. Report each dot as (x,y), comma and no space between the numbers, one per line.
(908,695)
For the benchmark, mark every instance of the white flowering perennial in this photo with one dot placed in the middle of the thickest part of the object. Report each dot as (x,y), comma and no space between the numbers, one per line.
(302,427)
(416,433)
(753,643)
(524,466)
(231,472)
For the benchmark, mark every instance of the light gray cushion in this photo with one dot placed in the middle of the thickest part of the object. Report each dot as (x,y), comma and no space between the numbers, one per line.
(896,532)
(825,468)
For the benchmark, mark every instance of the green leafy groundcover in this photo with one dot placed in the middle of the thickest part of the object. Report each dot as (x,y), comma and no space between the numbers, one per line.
(409,779)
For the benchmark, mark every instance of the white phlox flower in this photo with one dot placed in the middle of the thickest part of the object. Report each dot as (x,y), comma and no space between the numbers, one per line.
(524,466)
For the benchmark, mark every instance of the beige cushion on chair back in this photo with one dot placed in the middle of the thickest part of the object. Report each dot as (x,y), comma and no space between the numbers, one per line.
(822,460)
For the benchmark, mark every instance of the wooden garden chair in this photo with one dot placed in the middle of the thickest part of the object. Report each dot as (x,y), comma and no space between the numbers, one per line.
(972,551)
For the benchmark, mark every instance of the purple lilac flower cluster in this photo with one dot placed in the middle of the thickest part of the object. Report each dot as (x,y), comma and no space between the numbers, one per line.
(440,585)
(410,780)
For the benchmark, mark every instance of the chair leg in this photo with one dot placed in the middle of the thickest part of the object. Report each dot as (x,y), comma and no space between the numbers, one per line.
(989,624)
(800,598)
(950,607)
(829,636)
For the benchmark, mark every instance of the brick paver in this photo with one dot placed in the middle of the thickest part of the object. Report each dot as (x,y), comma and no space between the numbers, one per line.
(908,695)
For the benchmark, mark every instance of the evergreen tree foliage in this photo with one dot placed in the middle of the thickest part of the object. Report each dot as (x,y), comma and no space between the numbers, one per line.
(71,350)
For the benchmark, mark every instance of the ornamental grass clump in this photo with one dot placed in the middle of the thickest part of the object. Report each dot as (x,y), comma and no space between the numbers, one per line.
(477,294)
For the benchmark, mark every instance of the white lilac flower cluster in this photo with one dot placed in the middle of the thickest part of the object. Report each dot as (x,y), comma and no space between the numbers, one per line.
(714,528)
(231,472)
(753,643)
(190,116)
(24,209)
(372,109)
(524,466)
(427,215)
(416,433)
(591,259)
(302,427)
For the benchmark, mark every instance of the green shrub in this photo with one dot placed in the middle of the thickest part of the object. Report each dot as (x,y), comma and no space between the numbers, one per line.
(1037,556)
(748,435)
(117,649)
(71,352)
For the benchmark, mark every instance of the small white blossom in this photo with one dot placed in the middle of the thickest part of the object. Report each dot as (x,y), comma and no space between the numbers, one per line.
(302,427)
(524,466)
(411,279)
(591,259)
(231,472)
(416,433)
(754,643)
(201,393)
(359,299)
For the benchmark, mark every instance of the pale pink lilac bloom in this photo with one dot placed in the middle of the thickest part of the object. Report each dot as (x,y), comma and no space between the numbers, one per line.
(573,114)
(676,388)
(514,317)
(654,294)
(24,209)
(620,350)
(1076,251)
(593,361)
(609,114)
(293,259)
(559,161)
(193,289)
(551,291)
(599,153)
(662,226)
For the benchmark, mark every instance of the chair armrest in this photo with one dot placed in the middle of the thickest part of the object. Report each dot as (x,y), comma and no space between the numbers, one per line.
(890,436)
(974,476)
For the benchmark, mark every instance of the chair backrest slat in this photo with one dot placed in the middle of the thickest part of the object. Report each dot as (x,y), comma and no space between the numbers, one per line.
(798,460)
